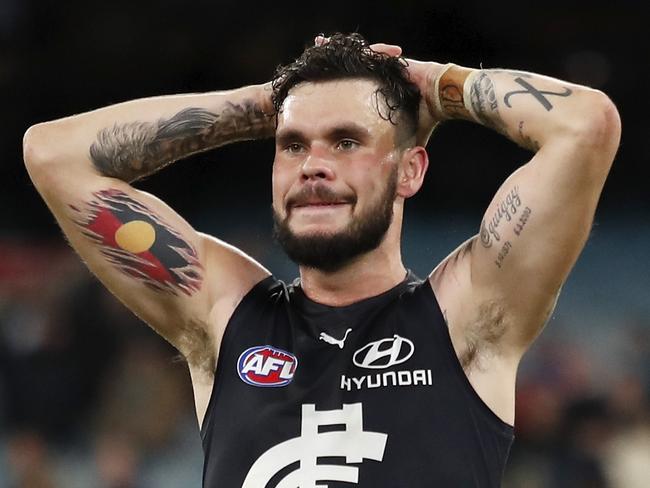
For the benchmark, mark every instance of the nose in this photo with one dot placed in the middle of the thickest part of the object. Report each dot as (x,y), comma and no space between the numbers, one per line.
(315,167)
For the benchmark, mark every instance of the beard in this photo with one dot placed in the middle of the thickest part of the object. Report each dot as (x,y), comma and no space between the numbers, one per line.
(330,252)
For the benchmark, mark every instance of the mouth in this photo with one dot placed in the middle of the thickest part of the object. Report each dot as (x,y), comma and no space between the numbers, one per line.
(317,207)
(318,200)
(319,204)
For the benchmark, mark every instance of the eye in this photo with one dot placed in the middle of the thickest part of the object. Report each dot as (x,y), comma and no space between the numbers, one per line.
(293,148)
(347,145)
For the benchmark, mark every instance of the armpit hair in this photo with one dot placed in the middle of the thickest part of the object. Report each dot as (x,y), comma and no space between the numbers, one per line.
(483,334)
(197,348)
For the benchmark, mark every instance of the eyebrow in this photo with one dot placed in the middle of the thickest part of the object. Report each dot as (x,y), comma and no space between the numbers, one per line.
(350,130)
(286,136)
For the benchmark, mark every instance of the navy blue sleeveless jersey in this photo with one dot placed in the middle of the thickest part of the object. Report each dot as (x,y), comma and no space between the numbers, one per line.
(369,395)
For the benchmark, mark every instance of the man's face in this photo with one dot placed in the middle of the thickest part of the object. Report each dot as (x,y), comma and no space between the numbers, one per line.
(334,174)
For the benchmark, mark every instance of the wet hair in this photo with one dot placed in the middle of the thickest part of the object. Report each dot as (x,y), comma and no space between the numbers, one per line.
(348,56)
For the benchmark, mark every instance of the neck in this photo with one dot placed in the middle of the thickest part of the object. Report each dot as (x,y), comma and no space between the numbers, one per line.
(368,275)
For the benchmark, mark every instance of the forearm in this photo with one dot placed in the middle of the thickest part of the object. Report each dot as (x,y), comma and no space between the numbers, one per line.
(136,138)
(528,108)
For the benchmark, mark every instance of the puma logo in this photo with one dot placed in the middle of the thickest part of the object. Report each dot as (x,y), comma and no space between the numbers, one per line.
(337,342)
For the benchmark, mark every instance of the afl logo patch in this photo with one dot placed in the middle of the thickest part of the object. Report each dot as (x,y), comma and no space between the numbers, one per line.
(266,366)
(384,353)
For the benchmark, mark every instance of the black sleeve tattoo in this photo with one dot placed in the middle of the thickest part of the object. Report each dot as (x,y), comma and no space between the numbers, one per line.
(133,150)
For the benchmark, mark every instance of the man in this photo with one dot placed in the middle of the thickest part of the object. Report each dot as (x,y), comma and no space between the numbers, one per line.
(358,372)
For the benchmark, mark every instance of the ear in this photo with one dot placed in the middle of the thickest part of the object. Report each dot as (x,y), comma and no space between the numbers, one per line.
(413,166)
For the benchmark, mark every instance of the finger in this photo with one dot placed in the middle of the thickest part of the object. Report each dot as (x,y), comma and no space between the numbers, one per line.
(390,49)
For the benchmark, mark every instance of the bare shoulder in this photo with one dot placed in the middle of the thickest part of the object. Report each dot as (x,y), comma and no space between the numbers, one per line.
(484,322)
(230,275)
(477,322)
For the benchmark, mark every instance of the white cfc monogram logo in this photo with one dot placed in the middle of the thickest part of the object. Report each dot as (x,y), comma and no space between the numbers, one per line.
(352,443)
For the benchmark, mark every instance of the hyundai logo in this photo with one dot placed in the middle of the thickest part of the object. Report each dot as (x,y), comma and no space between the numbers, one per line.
(384,353)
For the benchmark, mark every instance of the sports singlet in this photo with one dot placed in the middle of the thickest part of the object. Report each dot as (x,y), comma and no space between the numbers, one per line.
(369,395)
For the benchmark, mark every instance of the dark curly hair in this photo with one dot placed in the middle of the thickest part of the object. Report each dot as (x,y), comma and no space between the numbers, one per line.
(348,56)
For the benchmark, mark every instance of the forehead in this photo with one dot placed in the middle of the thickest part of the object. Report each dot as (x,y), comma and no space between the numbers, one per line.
(323,104)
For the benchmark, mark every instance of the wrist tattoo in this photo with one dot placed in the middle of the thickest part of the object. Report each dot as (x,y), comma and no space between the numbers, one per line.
(483,103)
(469,95)
(448,90)
(133,150)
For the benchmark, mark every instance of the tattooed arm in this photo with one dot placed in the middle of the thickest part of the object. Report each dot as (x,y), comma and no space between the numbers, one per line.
(136,138)
(540,218)
(498,289)
(181,282)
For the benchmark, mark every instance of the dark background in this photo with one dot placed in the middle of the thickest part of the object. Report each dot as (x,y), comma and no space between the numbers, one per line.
(71,356)
(62,58)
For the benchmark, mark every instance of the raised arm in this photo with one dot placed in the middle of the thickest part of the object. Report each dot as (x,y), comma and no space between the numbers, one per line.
(171,276)
(540,218)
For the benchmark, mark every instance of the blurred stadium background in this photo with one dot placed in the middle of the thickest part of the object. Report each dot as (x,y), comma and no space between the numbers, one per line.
(90,397)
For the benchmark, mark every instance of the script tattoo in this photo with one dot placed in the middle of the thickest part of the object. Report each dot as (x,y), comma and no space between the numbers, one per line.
(133,150)
(508,211)
(505,210)
(139,243)
(538,94)
(484,103)
(507,245)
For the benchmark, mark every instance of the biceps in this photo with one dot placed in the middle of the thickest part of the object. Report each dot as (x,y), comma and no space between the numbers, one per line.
(146,254)
(134,238)
(536,226)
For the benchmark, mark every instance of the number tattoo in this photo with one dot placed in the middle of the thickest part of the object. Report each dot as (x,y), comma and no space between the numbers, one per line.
(505,249)
(523,218)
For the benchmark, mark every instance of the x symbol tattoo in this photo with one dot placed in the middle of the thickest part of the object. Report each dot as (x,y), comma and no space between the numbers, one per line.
(538,94)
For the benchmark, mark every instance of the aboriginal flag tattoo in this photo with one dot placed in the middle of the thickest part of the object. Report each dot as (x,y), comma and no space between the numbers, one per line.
(139,243)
